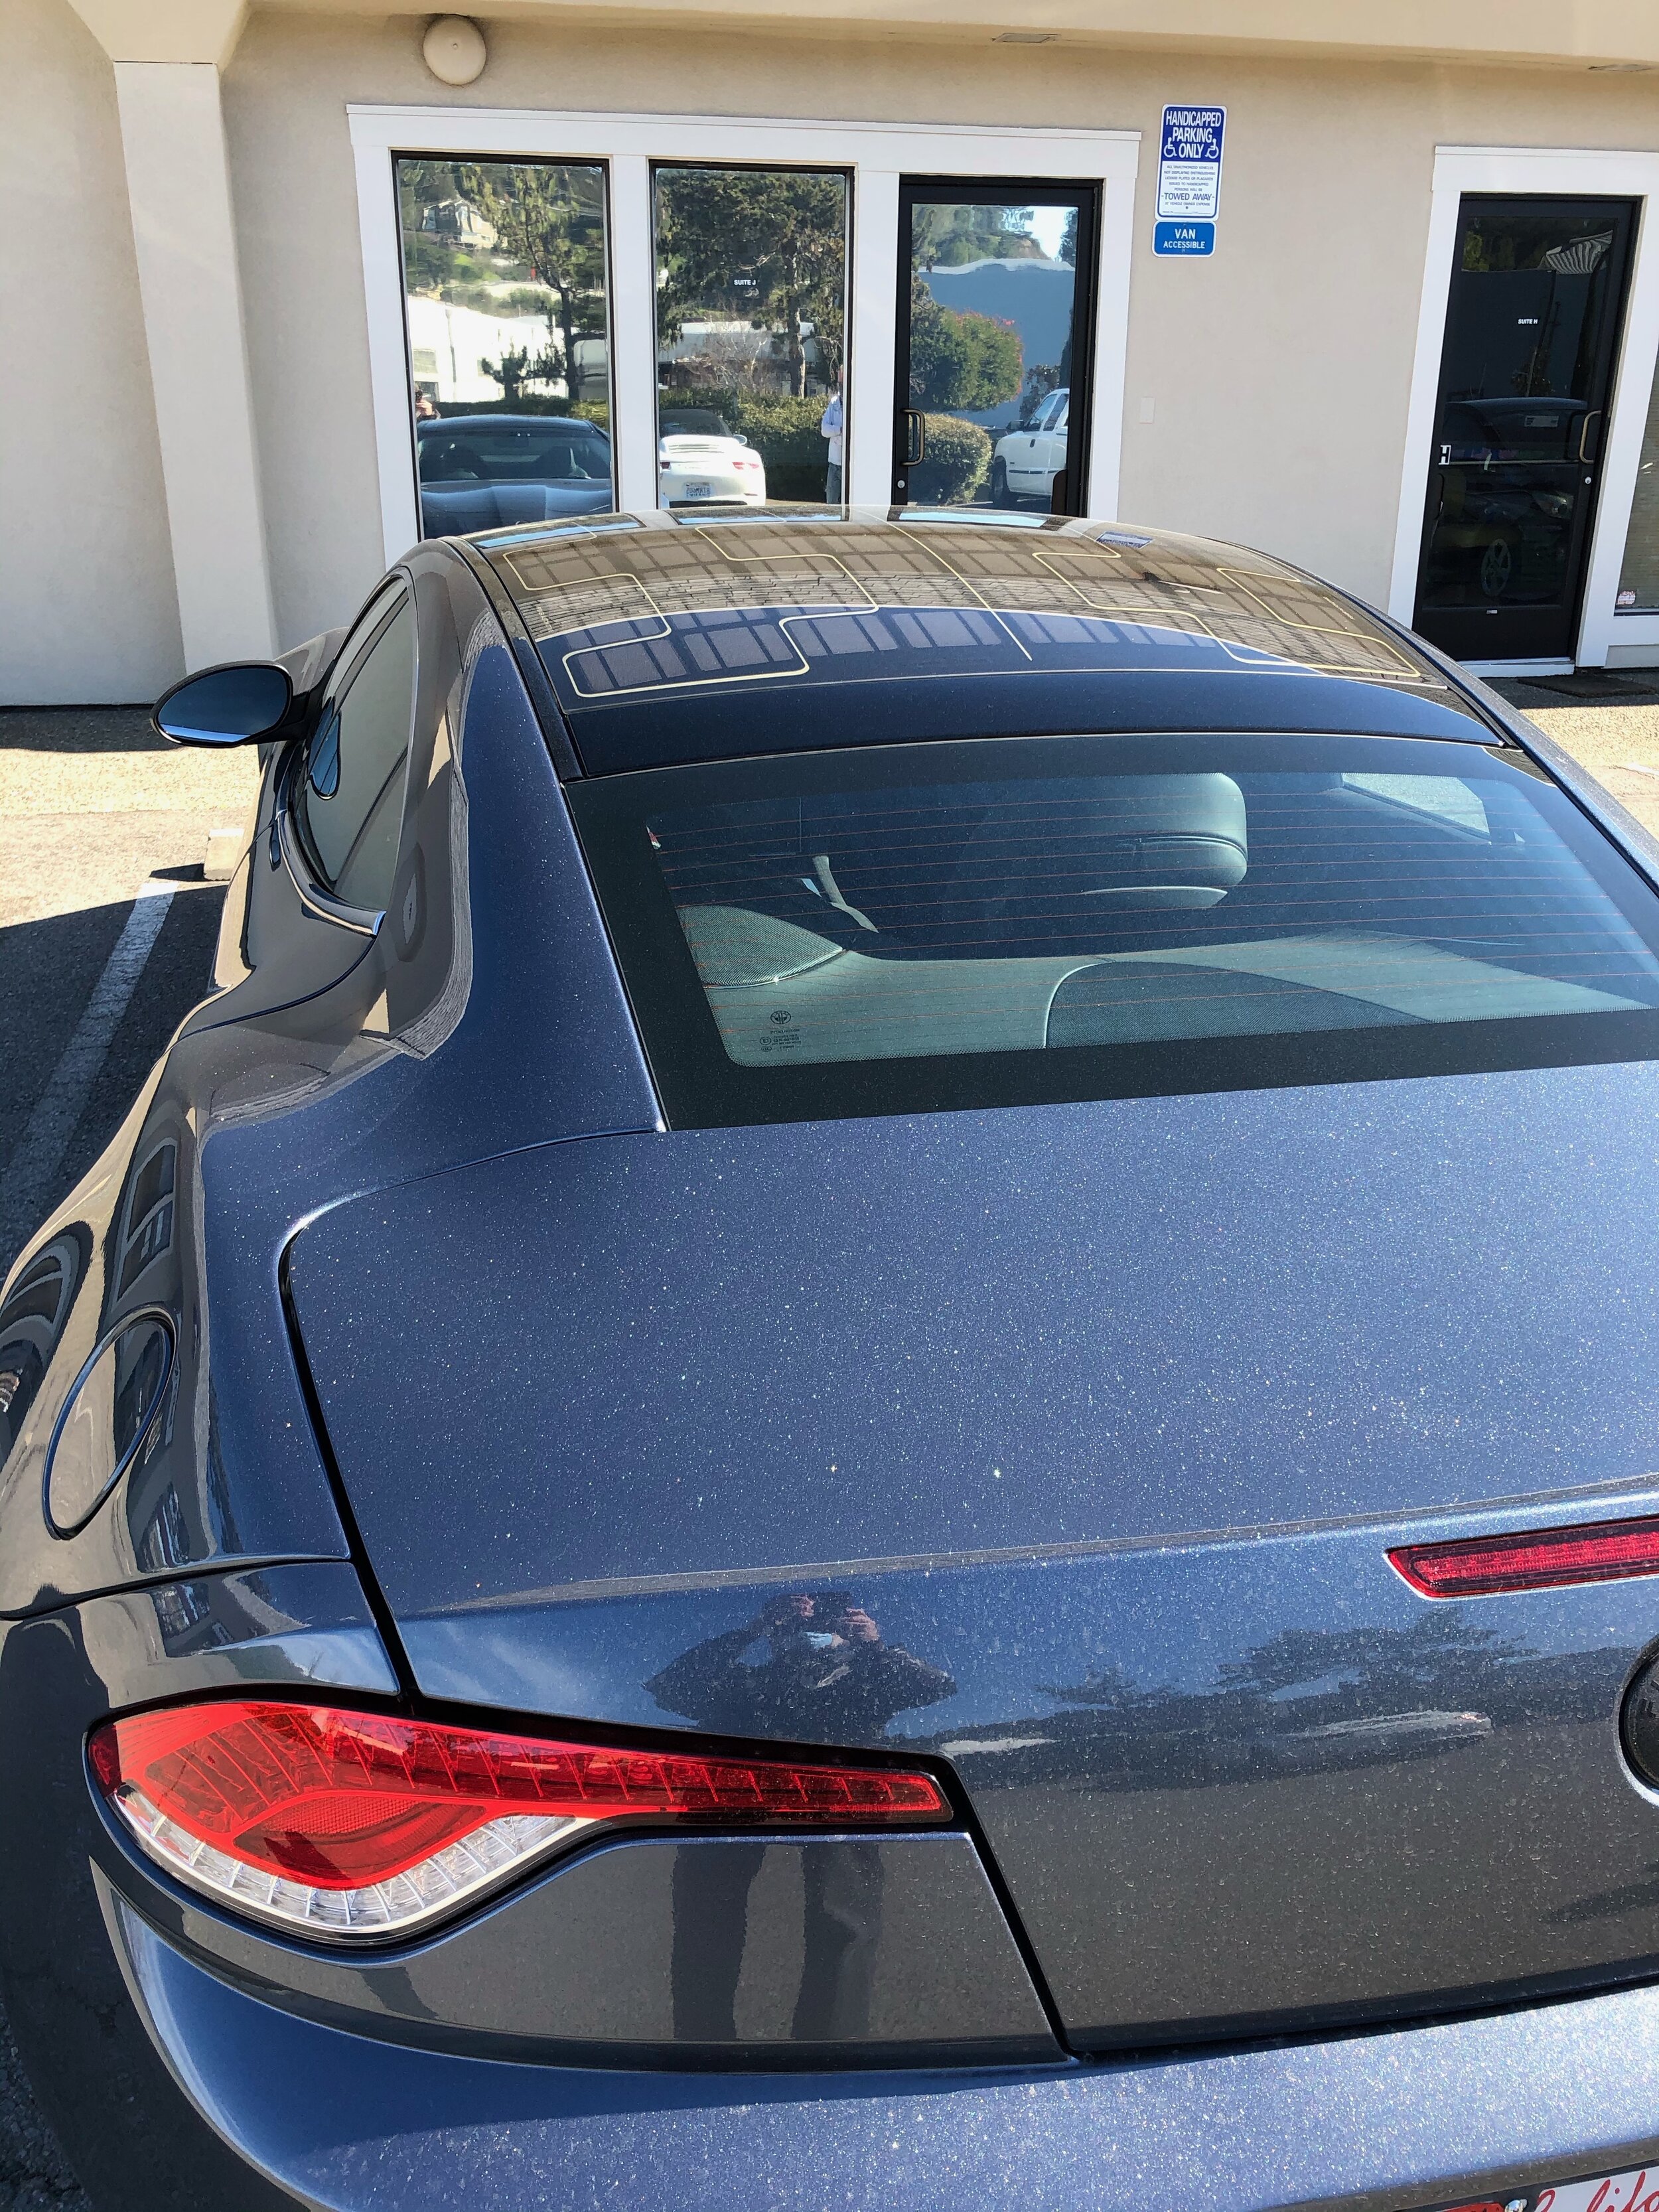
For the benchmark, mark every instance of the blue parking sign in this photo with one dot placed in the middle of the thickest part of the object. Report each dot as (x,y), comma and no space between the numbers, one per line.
(1188,179)
(1183,238)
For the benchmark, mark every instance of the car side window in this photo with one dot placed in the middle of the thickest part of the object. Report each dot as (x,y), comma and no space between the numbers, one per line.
(352,786)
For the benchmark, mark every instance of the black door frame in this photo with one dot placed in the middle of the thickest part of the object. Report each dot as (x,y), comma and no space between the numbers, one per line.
(1565,203)
(980,191)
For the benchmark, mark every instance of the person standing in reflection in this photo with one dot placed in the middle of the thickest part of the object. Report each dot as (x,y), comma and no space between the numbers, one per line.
(832,425)
(425,409)
(827,1677)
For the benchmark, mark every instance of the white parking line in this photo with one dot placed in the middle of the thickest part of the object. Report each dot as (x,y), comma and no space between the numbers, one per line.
(29,1185)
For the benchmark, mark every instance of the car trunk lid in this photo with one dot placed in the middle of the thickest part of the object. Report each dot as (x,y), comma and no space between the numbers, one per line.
(1084,1431)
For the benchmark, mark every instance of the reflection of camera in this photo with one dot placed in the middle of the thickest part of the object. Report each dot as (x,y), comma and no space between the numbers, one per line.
(831,1607)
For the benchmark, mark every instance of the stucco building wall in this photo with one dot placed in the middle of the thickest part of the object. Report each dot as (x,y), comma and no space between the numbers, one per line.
(1278,373)
(87,611)
(1267,388)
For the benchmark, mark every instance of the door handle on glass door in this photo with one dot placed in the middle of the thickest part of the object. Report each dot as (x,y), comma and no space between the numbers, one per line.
(1585,454)
(915,437)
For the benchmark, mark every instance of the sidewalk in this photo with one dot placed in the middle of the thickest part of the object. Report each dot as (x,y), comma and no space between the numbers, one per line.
(1610,722)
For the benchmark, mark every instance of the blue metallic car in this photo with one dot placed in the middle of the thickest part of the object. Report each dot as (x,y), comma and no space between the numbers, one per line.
(870,1421)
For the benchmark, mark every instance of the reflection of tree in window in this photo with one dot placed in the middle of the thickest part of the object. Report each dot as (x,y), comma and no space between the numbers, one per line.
(765,246)
(475,231)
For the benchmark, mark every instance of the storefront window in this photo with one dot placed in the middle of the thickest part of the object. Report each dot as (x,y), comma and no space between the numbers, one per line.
(507,320)
(992,339)
(1638,580)
(752,323)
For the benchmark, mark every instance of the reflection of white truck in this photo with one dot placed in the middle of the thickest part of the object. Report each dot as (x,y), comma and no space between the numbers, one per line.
(1027,461)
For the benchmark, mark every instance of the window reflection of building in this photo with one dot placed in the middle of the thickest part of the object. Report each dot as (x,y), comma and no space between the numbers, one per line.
(147,1215)
(31,1321)
(752,314)
(165,1538)
(505,290)
(1639,578)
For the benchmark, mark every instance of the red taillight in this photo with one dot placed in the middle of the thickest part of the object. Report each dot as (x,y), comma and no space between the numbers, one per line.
(1539,1558)
(360,1823)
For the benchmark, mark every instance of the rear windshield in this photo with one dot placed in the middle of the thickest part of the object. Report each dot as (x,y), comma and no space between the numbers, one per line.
(473,449)
(693,423)
(1009,920)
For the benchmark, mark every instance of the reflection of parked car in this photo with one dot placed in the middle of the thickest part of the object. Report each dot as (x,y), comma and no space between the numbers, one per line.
(479,471)
(701,462)
(1027,460)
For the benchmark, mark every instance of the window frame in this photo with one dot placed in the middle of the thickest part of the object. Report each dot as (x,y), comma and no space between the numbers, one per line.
(542,160)
(1606,638)
(304,864)
(877,154)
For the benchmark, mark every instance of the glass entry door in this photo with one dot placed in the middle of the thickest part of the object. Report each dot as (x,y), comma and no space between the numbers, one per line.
(1532,333)
(995,320)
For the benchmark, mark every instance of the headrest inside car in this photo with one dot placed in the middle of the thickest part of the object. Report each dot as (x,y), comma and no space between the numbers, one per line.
(1124,844)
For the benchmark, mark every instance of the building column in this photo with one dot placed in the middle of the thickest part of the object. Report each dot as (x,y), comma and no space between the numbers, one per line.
(178,186)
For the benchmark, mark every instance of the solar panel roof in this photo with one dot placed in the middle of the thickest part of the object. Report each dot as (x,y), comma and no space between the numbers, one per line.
(670,637)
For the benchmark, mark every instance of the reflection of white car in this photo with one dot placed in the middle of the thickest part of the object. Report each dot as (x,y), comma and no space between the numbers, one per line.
(701,464)
(1027,461)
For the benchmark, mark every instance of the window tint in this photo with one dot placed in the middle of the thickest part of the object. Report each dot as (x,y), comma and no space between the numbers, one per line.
(351,792)
(1076,917)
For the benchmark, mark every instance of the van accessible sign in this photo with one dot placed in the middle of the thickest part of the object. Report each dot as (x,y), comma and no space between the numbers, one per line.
(1188,179)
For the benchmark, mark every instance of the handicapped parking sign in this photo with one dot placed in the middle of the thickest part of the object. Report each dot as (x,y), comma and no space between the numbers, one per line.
(1183,238)
(1188,179)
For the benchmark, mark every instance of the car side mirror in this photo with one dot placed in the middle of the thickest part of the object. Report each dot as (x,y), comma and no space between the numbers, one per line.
(742,441)
(231,705)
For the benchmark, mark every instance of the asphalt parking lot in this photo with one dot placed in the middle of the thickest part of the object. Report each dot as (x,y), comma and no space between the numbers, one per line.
(107,924)
(106,932)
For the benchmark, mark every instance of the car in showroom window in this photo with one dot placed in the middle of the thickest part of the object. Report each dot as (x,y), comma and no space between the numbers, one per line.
(484,471)
(1026,461)
(699,459)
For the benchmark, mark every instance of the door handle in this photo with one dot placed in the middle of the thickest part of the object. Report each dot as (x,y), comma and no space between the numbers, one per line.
(915,436)
(1595,416)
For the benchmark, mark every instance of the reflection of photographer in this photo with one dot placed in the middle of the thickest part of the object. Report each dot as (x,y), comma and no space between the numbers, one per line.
(827,1676)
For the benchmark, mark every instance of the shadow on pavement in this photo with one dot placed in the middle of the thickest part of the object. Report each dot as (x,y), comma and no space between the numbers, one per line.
(47,972)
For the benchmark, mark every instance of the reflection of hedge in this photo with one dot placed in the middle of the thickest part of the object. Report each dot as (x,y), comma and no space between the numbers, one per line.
(531,403)
(785,433)
(956,458)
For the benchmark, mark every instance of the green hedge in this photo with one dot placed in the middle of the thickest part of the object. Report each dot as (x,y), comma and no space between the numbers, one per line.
(531,403)
(956,461)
